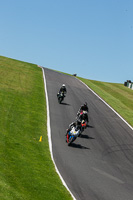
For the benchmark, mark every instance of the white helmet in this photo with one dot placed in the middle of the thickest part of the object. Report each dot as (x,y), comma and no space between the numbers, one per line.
(63,85)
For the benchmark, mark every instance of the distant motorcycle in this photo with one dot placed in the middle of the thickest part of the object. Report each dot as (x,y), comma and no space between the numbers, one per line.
(72,135)
(60,97)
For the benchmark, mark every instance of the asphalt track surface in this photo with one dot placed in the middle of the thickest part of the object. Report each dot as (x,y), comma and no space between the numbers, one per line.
(99,165)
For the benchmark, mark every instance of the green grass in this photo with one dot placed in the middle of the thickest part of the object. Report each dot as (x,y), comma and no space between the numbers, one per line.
(26,169)
(116,95)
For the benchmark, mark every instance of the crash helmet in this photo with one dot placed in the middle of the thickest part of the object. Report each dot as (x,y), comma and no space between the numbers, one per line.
(63,85)
(85,104)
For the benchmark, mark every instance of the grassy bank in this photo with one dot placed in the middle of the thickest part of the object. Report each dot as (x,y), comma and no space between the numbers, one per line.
(26,169)
(116,95)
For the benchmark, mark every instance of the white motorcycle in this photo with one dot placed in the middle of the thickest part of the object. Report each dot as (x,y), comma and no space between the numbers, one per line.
(72,135)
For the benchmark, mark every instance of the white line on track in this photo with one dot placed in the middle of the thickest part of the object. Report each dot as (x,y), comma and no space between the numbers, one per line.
(106,104)
(49,135)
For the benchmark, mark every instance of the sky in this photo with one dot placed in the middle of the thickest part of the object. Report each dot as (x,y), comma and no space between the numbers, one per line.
(90,38)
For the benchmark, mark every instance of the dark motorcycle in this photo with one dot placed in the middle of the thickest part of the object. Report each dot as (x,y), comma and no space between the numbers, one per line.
(60,97)
(82,119)
(72,135)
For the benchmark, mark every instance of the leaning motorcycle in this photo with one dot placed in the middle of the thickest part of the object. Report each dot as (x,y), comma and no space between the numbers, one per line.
(83,125)
(82,118)
(60,97)
(72,135)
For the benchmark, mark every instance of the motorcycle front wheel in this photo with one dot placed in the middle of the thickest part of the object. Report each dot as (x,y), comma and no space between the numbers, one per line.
(59,100)
(70,141)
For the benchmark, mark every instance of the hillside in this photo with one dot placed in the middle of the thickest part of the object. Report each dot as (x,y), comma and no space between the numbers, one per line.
(26,169)
(119,97)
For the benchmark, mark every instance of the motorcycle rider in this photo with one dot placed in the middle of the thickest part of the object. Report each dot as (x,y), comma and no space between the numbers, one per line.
(83,116)
(84,107)
(75,124)
(62,89)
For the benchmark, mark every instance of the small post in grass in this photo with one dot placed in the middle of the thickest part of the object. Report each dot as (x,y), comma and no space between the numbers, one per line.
(40,139)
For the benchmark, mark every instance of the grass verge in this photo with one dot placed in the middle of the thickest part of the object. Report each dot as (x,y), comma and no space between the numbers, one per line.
(26,169)
(116,95)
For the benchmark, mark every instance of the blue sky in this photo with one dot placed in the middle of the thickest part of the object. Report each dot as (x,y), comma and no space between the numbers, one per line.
(93,38)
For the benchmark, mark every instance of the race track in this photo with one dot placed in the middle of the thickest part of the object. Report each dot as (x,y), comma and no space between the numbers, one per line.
(98,166)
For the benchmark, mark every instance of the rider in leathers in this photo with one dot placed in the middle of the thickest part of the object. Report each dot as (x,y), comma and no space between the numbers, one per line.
(83,116)
(62,89)
(75,124)
(84,107)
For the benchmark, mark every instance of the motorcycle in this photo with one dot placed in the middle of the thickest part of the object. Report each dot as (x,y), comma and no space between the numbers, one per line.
(82,119)
(83,125)
(83,112)
(72,135)
(60,96)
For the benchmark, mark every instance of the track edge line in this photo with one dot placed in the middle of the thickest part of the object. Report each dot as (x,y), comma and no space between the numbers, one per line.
(106,103)
(49,136)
